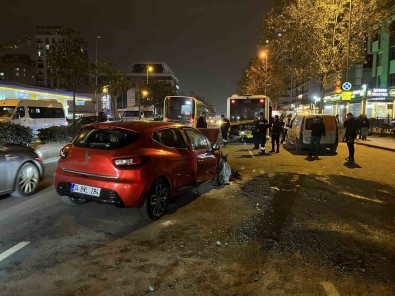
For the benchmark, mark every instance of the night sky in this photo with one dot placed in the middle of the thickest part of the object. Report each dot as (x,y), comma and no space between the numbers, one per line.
(207,43)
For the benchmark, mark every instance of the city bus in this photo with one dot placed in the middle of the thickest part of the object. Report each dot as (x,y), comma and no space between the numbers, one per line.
(183,109)
(242,109)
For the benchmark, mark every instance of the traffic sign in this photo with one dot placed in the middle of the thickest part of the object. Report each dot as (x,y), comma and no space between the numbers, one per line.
(347,86)
(392,92)
(346,95)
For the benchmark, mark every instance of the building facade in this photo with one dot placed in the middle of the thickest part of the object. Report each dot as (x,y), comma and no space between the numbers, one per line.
(18,68)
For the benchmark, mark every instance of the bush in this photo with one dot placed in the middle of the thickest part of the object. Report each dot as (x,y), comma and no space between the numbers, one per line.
(15,133)
(59,134)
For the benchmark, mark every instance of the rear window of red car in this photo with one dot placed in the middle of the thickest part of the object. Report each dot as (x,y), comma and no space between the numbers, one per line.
(105,139)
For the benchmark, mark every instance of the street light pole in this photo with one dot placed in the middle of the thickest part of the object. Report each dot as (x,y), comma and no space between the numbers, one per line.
(96,100)
(149,69)
(145,94)
(263,54)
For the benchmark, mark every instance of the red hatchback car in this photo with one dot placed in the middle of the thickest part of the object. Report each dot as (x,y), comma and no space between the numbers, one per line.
(135,164)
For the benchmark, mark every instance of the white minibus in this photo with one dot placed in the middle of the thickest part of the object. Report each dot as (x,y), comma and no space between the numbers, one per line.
(35,114)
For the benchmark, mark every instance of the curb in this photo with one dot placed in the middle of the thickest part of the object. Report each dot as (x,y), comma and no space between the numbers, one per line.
(375,146)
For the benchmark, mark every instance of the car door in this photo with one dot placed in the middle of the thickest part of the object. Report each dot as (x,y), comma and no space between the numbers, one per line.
(177,160)
(204,160)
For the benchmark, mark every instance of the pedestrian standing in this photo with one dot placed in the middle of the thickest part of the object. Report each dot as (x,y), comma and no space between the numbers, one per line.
(351,124)
(202,123)
(317,131)
(101,117)
(263,125)
(277,127)
(255,136)
(364,122)
(225,125)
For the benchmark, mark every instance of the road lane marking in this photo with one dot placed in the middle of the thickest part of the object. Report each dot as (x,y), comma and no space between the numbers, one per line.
(252,155)
(330,289)
(12,250)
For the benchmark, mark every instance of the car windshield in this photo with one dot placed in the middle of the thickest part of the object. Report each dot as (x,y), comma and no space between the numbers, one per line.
(105,138)
(6,111)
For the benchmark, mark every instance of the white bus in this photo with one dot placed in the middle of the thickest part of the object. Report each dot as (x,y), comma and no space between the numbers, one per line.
(183,109)
(35,114)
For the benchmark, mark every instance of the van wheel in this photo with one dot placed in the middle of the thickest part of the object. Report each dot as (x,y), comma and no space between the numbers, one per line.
(156,201)
(298,146)
(26,181)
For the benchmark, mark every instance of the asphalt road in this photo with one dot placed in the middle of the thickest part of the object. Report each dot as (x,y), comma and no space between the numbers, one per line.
(41,238)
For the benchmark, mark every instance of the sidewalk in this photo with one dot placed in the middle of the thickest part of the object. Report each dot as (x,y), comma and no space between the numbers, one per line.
(386,143)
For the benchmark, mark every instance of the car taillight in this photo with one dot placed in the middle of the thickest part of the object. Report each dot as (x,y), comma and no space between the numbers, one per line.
(63,153)
(130,162)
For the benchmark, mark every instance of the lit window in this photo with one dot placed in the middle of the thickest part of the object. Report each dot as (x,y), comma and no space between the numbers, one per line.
(17,74)
(47,46)
(2,74)
(39,53)
(17,69)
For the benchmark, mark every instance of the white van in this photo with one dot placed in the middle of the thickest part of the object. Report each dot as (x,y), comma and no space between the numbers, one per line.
(299,133)
(35,114)
(132,113)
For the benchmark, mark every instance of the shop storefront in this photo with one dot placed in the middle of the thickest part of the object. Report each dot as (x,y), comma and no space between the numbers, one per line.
(376,102)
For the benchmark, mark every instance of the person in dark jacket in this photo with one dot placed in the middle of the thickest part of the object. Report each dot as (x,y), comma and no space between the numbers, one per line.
(101,117)
(364,125)
(202,123)
(225,125)
(277,127)
(352,125)
(263,125)
(255,136)
(317,131)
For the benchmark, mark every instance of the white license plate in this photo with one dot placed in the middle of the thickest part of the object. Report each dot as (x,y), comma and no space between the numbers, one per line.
(88,190)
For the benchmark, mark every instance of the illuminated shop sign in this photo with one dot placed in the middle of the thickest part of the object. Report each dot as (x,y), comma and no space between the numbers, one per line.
(378,92)
(332,98)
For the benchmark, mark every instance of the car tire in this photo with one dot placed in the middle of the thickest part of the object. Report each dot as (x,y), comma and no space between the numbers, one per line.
(26,181)
(156,201)
(71,201)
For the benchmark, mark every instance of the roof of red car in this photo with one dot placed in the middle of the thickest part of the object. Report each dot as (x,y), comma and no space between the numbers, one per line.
(137,126)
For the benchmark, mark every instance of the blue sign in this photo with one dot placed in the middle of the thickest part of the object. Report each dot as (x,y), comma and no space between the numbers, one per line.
(346,86)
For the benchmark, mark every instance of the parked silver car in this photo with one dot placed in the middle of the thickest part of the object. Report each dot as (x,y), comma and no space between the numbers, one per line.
(21,169)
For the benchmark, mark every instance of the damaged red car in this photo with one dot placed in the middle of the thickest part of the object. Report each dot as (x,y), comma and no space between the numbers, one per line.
(135,164)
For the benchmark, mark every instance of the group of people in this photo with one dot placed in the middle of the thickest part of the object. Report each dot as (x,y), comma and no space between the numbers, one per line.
(279,126)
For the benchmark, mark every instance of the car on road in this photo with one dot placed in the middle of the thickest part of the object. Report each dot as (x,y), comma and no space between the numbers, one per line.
(135,164)
(22,169)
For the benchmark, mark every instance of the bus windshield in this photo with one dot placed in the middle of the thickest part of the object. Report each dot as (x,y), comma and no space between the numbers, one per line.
(6,111)
(179,109)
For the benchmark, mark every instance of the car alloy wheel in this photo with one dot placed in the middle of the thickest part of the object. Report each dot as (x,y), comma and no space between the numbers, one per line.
(26,181)
(156,200)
